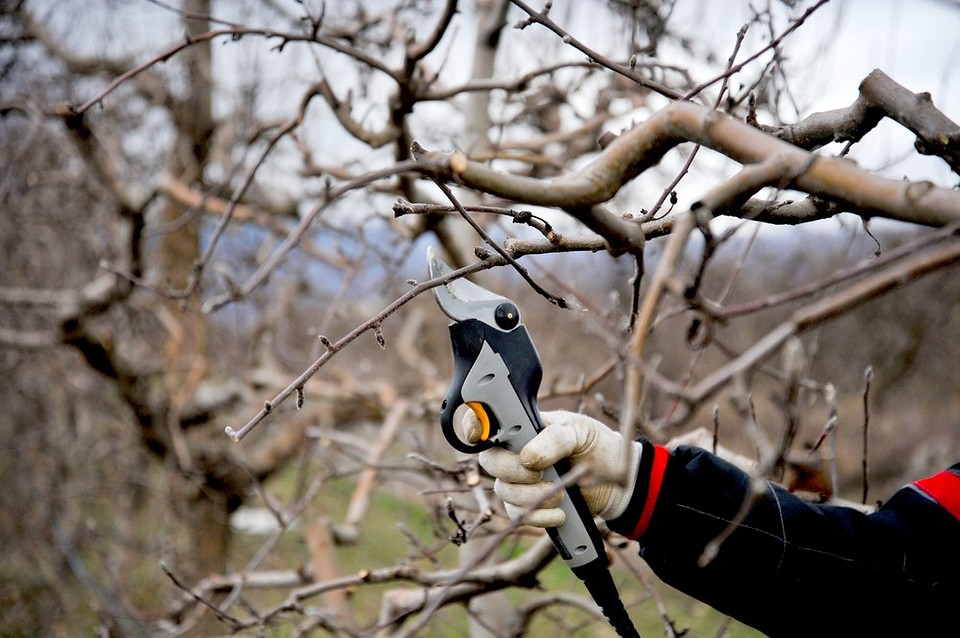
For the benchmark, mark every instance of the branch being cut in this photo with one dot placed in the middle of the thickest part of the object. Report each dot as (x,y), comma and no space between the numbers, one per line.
(332,348)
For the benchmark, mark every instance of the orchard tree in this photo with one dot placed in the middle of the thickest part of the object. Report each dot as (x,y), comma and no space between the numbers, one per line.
(215,223)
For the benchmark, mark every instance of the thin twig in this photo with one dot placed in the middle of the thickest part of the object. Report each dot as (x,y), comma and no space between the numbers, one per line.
(542,18)
(230,620)
(652,213)
(554,299)
(334,347)
(296,235)
(867,380)
(774,43)
(234,33)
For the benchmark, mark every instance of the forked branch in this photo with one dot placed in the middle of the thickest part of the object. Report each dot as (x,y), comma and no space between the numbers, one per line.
(645,145)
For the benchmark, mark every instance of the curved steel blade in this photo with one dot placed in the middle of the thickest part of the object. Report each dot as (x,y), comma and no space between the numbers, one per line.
(461,299)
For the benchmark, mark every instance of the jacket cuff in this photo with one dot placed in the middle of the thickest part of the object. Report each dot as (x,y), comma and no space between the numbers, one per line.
(635,520)
(944,488)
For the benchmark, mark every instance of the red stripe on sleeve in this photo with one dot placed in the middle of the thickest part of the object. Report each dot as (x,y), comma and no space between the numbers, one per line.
(944,488)
(660,455)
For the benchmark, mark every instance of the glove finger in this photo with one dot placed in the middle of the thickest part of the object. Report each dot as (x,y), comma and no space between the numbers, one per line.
(597,497)
(471,428)
(505,465)
(528,496)
(557,441)
(550,517)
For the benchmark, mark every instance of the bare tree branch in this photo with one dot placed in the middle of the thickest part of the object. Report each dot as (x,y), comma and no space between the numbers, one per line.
(644,145)
(542,17)
(880,97)
(923,262)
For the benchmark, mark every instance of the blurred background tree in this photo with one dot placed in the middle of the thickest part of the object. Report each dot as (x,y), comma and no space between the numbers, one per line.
(212,205)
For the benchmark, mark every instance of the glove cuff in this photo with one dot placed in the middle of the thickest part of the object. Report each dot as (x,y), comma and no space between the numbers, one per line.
(620,495)
(651,469)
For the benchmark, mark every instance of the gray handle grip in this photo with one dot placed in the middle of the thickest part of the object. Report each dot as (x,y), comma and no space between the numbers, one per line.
(577,540)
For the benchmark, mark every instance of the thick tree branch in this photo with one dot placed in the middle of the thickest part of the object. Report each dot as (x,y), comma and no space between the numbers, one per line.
(880,96)
(644,146)
(936,133)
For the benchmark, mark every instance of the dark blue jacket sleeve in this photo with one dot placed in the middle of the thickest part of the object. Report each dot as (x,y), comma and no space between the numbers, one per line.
(791,568)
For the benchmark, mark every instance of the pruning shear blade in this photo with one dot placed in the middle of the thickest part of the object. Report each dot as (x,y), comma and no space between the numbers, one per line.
(462,299)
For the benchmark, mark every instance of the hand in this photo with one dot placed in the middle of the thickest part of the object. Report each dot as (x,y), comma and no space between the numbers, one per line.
(580,438)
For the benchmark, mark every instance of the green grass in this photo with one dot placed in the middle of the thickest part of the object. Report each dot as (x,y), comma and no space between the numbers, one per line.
(381,543)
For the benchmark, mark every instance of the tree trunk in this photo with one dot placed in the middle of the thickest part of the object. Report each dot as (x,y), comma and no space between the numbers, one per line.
(209,533)
(204,508)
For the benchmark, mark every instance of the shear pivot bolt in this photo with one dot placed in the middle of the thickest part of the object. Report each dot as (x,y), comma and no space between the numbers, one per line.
(507,316)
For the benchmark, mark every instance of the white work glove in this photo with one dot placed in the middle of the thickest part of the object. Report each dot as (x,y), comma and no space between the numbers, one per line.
(580,438)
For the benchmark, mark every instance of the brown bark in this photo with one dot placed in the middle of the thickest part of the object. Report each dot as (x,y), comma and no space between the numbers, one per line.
(185,350)
(179,249)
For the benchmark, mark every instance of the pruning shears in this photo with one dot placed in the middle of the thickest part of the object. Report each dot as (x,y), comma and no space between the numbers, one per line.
(497,374)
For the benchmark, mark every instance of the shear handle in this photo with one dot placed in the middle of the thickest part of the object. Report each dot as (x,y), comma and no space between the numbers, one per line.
(505,396)
(467,339)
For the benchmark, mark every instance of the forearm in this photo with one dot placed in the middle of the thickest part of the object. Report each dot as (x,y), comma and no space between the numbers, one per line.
(783,554)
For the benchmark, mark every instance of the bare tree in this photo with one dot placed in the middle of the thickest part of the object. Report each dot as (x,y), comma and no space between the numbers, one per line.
(215,220)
